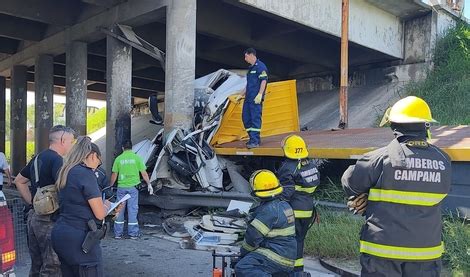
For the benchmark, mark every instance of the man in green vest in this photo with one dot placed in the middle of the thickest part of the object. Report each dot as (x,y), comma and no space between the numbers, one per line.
(126,170)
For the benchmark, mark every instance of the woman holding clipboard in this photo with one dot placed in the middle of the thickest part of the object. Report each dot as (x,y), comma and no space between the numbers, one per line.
(81,209)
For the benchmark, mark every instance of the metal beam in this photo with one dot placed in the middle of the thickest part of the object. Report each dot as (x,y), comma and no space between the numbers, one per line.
(128,12)
(95,76)
(45,11)
(102,3)
(8,45)
(294,46)
(21,29)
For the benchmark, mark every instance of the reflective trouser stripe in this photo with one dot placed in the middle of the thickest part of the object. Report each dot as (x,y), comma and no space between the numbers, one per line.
(260,226)
(253,130)
(305,189)
(275,257)
(406,197)
(303,214)
(285,232)
(247,246)
(118,222)
(133,223)
(299,262)
(403,253)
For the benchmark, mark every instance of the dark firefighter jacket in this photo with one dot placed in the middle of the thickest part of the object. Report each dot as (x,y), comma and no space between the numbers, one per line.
(271,233)
(299,179)
(406,181)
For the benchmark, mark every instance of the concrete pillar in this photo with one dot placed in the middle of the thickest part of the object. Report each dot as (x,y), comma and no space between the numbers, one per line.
(76,86)
(3,87)
(44,91)
(18,118)
(118,97)
(180,64)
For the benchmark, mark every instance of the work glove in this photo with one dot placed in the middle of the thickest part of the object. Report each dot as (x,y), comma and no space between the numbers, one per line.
(258,98)
(239,97)
(358,204)
(150,189)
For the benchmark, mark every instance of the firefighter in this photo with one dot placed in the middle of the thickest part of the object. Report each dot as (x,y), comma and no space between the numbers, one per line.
(269,246)
(406,182)
(256,82)
(299,177)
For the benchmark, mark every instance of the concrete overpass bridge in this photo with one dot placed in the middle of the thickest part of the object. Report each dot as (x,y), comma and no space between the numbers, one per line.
(74,47)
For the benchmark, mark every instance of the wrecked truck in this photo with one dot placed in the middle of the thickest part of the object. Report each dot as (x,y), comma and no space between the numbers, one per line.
(182,164)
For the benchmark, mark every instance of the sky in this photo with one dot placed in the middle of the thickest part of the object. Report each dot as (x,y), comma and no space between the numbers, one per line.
(59,99)
(467,10)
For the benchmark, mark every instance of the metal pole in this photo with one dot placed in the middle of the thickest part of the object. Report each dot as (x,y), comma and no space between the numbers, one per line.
(343,92)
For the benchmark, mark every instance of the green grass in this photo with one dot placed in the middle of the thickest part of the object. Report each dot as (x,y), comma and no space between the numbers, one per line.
(336,236)
(96,121)
(447,85)
(330,190)
(457,244)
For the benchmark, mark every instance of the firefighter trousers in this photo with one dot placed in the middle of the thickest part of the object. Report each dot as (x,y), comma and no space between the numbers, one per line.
(301,228)
(379,267)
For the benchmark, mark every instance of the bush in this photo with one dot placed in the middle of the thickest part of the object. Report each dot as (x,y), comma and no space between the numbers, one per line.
(29,150)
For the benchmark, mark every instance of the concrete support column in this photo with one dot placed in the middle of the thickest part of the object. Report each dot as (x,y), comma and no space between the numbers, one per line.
(118,97)
(44,91)
(76,86)
(180,64)
(3,87)
(18,118)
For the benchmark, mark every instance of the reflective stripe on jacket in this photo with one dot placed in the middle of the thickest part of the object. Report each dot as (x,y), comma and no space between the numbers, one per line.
(406,185)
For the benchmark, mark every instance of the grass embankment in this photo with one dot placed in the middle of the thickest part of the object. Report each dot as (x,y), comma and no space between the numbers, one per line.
(96,121)
(447,86)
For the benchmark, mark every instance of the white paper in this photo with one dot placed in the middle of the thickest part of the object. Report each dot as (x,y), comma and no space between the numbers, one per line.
(114,205)
(243,207)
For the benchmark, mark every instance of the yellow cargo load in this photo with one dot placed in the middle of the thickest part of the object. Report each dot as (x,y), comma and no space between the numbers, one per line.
(280,114)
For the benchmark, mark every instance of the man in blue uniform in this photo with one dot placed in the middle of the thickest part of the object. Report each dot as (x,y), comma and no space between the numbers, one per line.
(256,81)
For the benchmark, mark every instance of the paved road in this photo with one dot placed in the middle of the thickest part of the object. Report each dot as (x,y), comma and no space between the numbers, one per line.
(155,257)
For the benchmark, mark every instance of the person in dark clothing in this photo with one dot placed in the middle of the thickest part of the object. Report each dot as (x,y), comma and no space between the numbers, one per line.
(406,182)
(103,182)
(299,177)
(80,201)
(269,246)
(256,83)
(44,261)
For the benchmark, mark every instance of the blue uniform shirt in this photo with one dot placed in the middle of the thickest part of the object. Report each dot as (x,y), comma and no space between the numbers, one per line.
(81,186)
(256,73)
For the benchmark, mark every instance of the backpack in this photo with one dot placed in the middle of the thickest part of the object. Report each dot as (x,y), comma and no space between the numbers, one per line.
(46,199)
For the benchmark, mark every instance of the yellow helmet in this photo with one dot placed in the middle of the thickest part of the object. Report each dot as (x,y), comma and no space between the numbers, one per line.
(265,184)
(295,147)
(410,109)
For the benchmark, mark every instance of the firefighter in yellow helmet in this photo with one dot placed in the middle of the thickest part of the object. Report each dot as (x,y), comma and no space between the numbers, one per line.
(269,246)
(299,177)
(406,182)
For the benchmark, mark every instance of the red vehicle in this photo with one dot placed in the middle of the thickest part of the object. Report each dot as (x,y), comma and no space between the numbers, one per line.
(7,239)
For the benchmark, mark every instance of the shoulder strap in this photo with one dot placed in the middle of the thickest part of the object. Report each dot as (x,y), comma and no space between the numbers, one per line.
(36,171)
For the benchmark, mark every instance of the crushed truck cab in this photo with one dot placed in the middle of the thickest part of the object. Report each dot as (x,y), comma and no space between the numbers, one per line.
(209,165)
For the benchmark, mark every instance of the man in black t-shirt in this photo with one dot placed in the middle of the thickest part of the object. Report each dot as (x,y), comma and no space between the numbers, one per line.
(44,261)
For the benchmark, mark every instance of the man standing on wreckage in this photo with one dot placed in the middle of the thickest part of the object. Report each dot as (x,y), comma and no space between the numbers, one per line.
(406,182)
